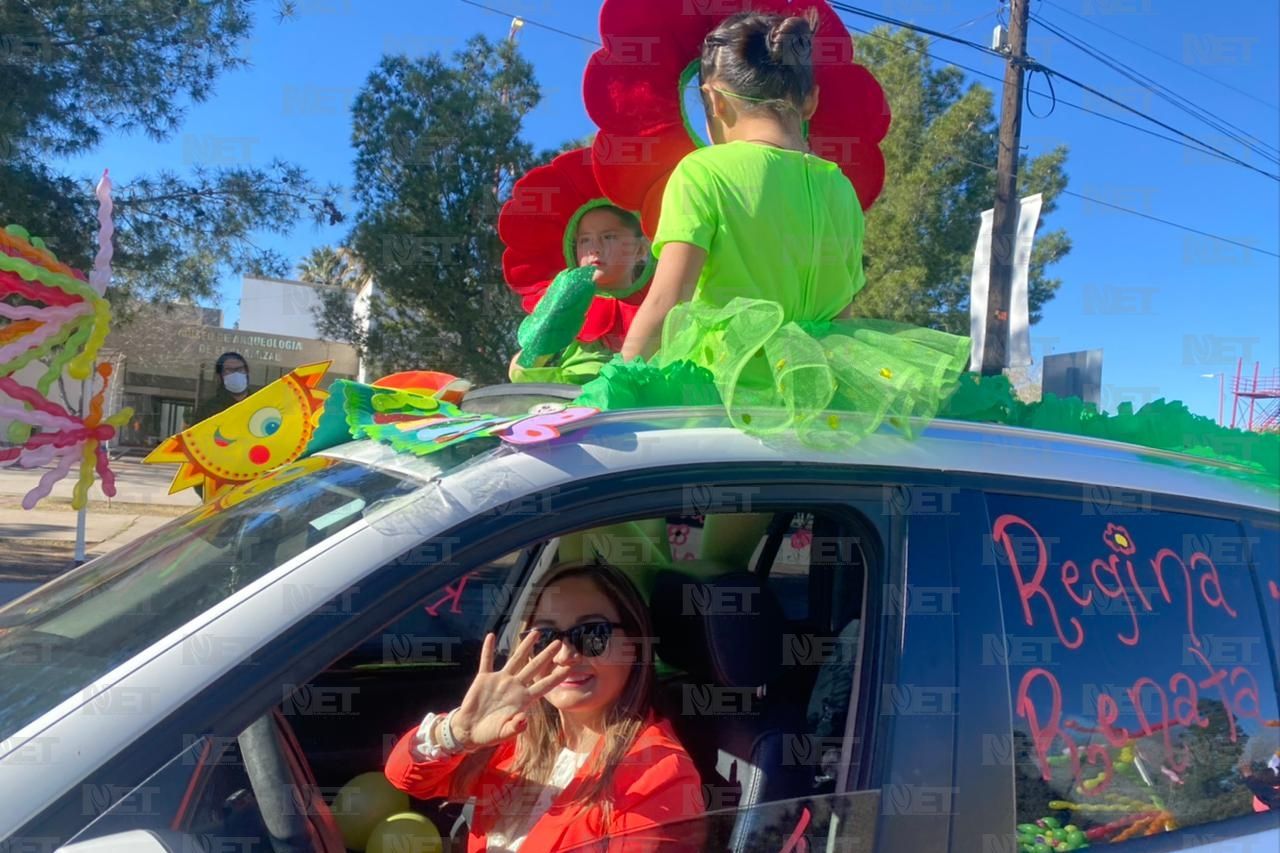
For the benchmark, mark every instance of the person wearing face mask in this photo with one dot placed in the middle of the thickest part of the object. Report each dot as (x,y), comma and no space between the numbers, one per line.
(233,386)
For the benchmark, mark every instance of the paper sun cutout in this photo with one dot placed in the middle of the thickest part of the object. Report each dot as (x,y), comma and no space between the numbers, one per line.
(269,428)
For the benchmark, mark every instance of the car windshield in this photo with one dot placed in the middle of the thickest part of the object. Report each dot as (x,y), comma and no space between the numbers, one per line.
(60,638)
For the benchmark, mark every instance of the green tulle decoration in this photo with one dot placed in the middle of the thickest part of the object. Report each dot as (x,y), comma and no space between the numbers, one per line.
(1160,425)
(558,316)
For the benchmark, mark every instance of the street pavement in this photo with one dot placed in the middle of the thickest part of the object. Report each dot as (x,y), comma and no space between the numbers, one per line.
(38,544)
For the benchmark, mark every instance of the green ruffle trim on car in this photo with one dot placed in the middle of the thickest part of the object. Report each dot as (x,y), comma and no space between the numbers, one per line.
(1160,425)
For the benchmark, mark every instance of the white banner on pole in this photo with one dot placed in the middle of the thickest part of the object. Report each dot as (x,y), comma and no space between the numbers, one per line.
(1019,350)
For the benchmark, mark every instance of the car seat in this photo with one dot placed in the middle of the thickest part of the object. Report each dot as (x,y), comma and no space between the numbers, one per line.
(726,635)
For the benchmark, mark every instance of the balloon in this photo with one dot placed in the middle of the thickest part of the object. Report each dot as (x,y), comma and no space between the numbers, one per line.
(406,832)
(362,804)
(100,277)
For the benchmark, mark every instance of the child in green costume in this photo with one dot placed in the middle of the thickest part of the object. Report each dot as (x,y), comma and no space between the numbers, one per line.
(759,247)
(612,255)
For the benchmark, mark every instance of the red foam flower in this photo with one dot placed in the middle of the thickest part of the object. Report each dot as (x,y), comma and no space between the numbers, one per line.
(534,225)
(633,92)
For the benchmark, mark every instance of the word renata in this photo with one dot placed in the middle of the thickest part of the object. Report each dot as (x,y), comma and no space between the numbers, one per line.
(1195,580)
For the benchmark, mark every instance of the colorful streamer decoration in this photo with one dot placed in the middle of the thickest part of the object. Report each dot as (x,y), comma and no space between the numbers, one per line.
(52,317)
(267,429)
(64,440)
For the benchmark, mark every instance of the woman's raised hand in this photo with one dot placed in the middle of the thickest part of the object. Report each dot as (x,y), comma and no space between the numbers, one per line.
(496,705)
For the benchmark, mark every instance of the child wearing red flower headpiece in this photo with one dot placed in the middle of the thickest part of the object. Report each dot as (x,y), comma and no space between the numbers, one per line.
(759,247)
(612,254)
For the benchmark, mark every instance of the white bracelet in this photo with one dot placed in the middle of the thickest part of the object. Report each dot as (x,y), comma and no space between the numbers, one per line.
(427,746)
(447,740)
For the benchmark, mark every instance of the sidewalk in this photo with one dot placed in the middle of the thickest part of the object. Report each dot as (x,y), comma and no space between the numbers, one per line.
(39,544)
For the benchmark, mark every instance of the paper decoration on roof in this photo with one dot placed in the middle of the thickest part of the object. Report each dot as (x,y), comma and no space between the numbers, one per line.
(639,105)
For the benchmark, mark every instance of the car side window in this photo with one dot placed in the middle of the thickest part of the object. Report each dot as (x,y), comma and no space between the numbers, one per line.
(460,612)
(1143,692)
(203,791)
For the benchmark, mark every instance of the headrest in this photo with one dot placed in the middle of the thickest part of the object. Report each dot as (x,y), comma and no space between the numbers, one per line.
(726,630)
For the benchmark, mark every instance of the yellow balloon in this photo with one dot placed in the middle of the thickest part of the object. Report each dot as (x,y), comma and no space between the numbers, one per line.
(362,804)
(407,832)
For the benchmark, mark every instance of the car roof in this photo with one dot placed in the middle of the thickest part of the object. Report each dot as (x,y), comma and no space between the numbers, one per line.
(649,438)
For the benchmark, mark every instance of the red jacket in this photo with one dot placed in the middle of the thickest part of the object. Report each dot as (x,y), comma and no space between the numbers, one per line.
(655,783)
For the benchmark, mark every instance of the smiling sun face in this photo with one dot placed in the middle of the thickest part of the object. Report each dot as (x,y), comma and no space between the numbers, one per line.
(264,431)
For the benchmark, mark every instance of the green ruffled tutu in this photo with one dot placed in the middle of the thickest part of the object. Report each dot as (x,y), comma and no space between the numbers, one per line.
(829,383)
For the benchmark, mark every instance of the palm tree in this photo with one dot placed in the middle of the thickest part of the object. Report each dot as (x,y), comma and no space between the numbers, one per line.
(334,267)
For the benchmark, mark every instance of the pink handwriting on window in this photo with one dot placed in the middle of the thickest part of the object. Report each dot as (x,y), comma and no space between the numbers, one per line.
(1114,576)
(451,595)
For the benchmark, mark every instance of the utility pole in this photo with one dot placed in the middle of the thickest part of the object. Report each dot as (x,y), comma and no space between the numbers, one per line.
(1004,220)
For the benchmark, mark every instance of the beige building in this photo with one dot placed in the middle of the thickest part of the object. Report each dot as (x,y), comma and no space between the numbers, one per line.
(164,360)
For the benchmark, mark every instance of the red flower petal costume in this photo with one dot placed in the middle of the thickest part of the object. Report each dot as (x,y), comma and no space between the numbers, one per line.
(537,225)
(633,91)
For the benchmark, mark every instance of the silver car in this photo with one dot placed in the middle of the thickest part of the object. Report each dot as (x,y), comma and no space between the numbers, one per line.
(985,639)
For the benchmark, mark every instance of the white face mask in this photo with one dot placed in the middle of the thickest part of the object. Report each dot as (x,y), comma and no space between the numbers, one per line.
(236,383)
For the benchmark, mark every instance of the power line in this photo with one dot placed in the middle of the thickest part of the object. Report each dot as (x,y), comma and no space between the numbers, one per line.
(1171,223)
(533,23)
(1165,93)
(1091,90)
(1163,56)
(1113,119)
(898,22)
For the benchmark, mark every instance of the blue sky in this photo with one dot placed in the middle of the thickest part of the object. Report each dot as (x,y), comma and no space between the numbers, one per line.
(1164,305)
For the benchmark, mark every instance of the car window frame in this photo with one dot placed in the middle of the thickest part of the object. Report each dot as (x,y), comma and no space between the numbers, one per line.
(312,643)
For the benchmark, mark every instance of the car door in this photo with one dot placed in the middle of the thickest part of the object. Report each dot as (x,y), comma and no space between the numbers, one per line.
(512,520)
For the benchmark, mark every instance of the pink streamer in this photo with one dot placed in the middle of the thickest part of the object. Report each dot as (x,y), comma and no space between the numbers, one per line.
(38,419)
(31,397)
(105,473)
(100,276)
(42,489)
(52,313)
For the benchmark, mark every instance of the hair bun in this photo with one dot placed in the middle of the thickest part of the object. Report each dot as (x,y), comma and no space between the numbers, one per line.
(790,41)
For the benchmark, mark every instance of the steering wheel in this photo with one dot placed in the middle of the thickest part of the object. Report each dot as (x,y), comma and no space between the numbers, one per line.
(297,818)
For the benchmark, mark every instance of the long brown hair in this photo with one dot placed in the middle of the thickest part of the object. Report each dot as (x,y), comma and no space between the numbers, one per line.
(540,743)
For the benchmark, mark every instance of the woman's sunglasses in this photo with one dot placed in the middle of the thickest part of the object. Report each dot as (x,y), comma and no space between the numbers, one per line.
(589,638)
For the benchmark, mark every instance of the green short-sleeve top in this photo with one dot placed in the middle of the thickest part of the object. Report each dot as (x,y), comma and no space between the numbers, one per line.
(776,224)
